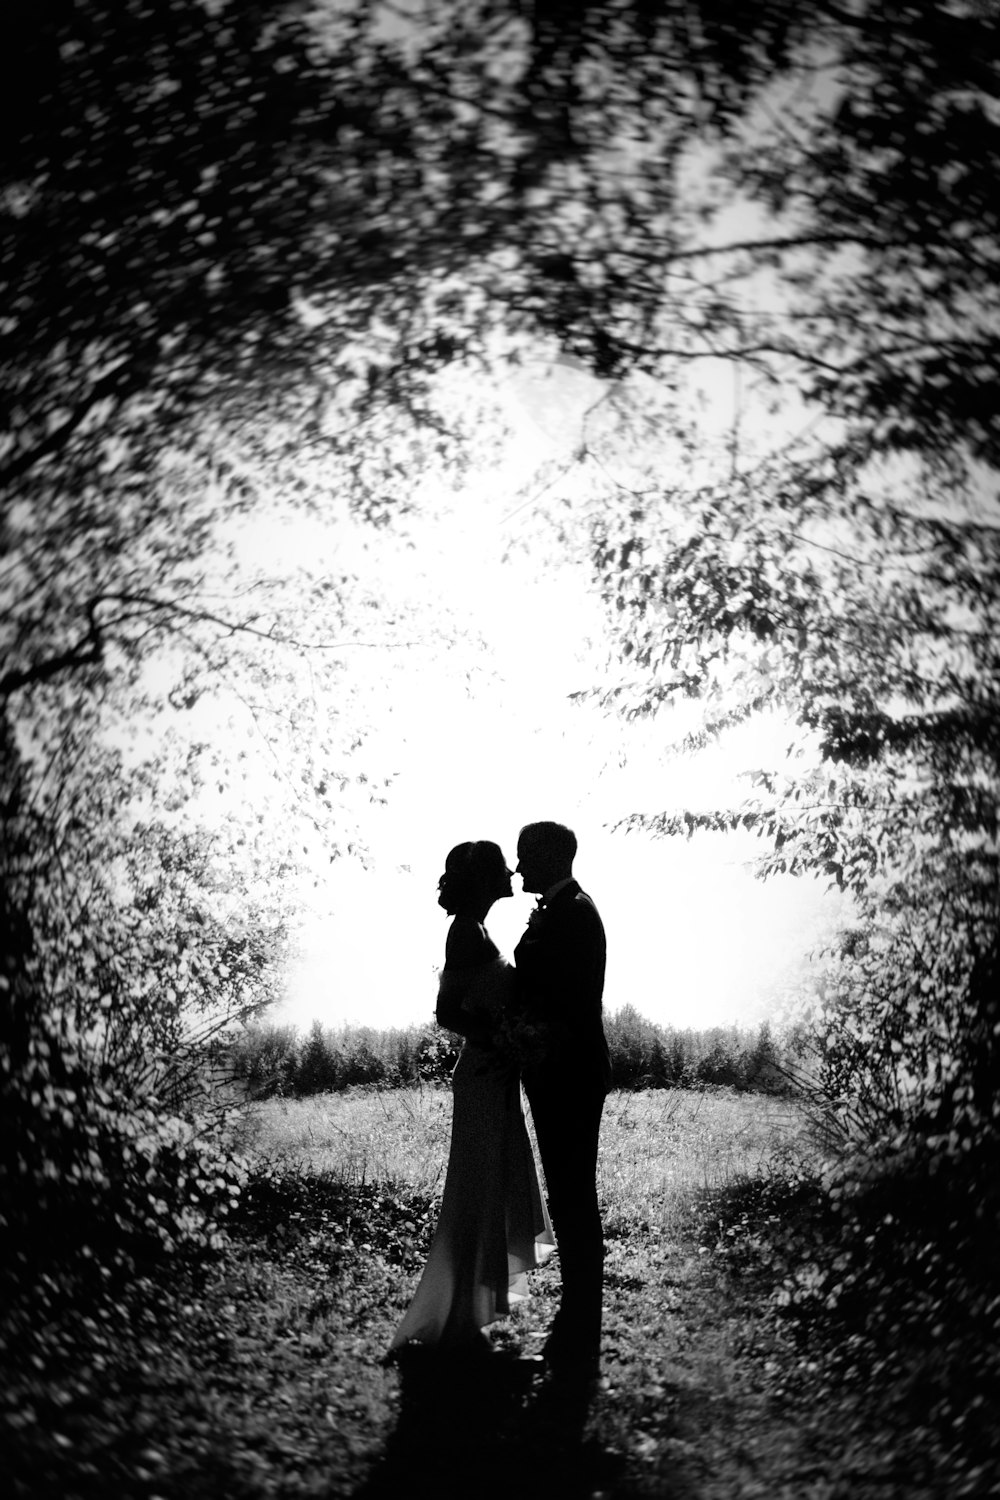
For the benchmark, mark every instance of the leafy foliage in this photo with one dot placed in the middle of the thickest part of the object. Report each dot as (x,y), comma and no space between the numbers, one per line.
(148,1390)
(115,981)
(242,249)
(846,577)
(185,183)
(884,1270)
(311,1214)
(259,1374)
(98,1189)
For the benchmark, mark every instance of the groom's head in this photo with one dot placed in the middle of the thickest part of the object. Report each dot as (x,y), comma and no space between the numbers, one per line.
(545,854)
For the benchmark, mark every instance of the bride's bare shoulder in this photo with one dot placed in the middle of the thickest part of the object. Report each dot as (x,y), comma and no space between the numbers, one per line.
(467,944)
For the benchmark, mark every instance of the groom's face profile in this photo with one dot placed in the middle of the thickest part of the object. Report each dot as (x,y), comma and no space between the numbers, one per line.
(531,866)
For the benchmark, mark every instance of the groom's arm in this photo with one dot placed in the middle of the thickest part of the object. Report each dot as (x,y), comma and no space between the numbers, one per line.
(561,964)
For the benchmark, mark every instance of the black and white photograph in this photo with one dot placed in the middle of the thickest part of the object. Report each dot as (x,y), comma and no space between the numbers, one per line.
(499,749)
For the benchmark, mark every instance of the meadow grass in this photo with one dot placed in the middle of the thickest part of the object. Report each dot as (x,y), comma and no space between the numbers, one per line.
(365,1135)
(264,1374)
(657,1146)
(660,1146)
(711,1207)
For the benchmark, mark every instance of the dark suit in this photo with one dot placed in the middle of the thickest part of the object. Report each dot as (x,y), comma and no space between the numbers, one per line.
(560,967)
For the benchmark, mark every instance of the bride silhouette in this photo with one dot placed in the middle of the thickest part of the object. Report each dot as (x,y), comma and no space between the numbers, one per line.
(493,1226)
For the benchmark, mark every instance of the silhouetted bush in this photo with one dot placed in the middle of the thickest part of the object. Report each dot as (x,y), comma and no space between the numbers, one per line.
(99,1187)
(884,1267)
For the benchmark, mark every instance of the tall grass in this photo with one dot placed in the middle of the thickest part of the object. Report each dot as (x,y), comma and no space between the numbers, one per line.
(656,1146)
(660,1146)
(397,1136)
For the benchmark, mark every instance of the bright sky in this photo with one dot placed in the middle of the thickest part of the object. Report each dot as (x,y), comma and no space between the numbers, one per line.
(693,939)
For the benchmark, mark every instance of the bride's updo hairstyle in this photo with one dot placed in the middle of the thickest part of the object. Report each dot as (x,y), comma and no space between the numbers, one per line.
(470,875)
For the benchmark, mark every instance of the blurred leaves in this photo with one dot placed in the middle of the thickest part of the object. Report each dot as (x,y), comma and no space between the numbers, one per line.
(248,253)
(847,577)
(882,1269)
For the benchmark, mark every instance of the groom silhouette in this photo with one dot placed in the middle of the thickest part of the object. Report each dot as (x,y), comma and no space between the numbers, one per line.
(560,968)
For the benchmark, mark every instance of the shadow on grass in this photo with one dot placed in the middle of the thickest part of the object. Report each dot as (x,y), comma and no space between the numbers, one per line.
(489,1426)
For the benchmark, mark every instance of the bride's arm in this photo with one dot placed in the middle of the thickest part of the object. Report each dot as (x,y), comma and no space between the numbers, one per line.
(466,946)
(453,1015)
(466,949)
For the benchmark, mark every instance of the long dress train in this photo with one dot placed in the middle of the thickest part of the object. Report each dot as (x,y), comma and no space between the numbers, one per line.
(494,1226)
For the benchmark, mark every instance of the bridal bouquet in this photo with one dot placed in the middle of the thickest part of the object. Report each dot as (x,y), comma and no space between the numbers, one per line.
(525,1041)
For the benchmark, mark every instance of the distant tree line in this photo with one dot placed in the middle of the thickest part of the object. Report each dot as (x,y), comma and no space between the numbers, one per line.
(269,1060)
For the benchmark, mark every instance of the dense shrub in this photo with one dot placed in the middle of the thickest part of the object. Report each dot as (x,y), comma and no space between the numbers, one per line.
(116,976)
(906,1035)
(284,1204)
(884,1267)
(98,1187)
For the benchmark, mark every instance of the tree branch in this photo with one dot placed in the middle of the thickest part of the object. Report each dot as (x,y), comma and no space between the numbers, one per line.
(87,652)
(245,627)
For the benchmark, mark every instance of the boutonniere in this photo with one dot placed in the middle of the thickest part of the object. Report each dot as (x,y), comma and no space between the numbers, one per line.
(536,917)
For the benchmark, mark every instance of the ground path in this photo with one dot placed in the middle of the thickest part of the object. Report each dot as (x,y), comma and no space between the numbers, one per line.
(269,1384)
(266,1380)
(696,1402)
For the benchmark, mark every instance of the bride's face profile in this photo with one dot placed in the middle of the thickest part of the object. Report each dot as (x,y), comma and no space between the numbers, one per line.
(475,876)
(495,877)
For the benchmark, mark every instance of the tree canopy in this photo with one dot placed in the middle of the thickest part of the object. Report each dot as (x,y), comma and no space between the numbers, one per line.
(294,218)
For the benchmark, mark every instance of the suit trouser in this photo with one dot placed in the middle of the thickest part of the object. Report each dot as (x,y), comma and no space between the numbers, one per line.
(567,1125)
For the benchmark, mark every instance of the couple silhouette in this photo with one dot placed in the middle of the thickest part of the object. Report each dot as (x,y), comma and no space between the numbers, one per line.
(537,1021)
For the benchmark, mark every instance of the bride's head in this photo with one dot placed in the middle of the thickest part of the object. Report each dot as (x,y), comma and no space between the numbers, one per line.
(475,875)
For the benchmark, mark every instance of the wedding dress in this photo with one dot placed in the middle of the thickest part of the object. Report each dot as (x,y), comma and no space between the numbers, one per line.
(494,1226)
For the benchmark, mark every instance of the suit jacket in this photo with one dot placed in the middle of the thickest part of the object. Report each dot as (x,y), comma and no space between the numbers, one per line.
(560,969)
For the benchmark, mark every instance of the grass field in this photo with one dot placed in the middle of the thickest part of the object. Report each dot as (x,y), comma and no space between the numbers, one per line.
(656,1146)
(264,1377)
(667,1329)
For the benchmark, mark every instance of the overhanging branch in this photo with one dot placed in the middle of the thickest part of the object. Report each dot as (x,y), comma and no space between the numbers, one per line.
(87,652)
